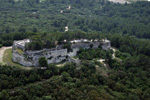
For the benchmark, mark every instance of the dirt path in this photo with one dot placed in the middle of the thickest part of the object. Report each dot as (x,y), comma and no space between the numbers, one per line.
(114,51)
(2,50)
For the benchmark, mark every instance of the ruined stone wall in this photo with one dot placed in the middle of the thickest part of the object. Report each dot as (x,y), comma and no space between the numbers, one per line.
(20,44)
(86,45)
(45,52)
(57,59)
(62,52)
(74,52)
(16,57)
(55,55)
(96,44)
(81,45)
(77,61)
(52,57)
(106,46)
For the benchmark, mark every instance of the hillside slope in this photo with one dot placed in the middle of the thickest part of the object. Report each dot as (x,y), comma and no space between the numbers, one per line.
(89,16)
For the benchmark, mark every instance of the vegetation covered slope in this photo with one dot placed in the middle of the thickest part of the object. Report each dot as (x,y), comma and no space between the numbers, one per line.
(125,80)
(19,19)
(91,15)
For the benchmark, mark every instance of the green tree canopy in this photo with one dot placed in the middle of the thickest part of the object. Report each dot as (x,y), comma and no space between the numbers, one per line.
(43,62)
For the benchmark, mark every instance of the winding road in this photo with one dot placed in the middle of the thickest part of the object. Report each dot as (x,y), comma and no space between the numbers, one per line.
(2,50)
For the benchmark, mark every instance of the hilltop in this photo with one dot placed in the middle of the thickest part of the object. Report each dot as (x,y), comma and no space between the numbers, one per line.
(57,31)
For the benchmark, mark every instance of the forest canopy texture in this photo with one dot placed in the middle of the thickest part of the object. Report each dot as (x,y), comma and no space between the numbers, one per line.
(125,77)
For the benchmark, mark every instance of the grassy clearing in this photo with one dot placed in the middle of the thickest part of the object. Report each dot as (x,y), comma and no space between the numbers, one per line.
(19,51)
(2,63)
(7,59)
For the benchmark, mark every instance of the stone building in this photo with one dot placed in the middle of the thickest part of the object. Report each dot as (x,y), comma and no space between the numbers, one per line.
(54,55)
(20,44)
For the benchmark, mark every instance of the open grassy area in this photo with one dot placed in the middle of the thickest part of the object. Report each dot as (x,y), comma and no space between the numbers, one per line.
(8,60)
(19,51)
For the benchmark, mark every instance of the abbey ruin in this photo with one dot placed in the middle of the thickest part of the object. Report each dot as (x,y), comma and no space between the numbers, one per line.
(54,55)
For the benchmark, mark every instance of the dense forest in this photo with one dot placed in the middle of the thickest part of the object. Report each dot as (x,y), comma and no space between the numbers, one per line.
(88,16)
(22,17)
(43,21)
(127,79)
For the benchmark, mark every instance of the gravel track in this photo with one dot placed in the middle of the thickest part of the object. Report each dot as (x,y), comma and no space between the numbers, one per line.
(2,50)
